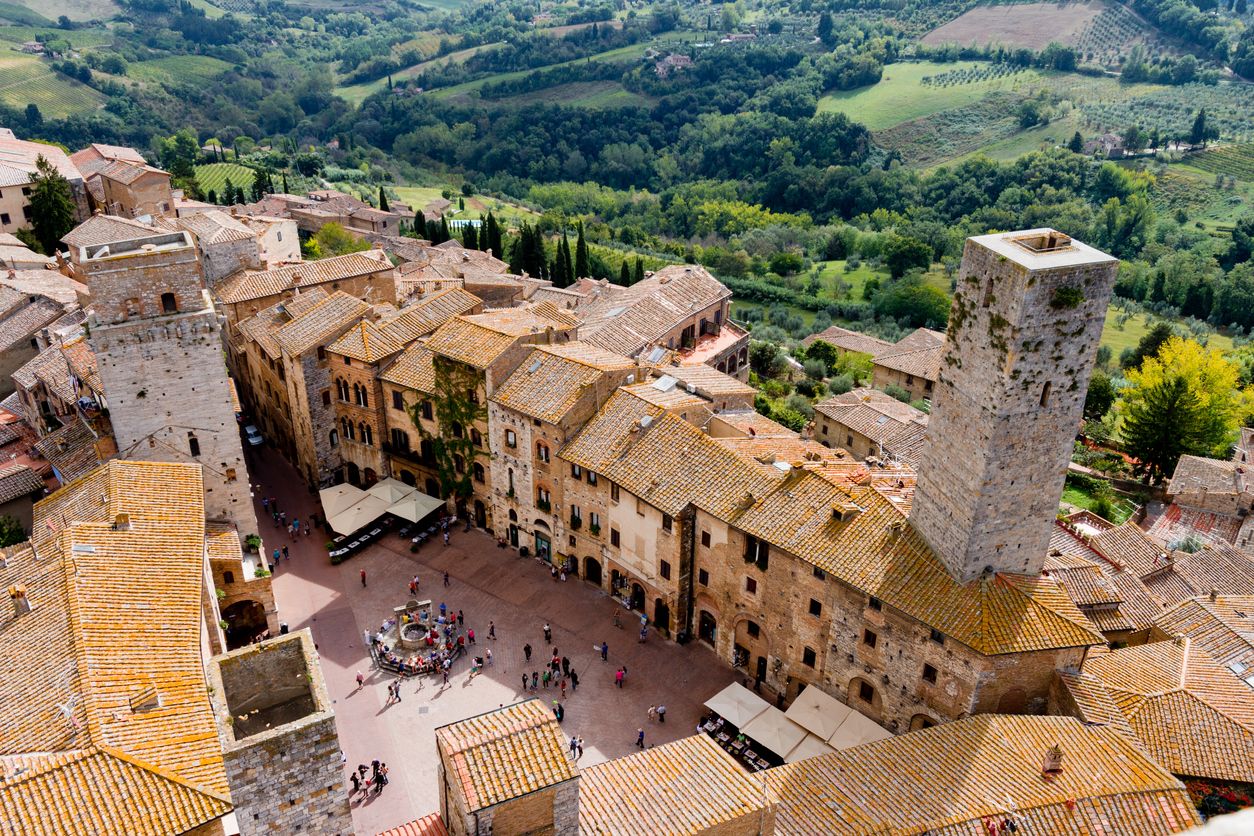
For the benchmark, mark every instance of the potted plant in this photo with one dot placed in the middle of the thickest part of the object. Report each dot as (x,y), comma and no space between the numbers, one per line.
(252,543)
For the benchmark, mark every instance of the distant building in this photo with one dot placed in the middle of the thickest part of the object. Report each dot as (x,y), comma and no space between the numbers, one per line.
(871,424)
(17,172)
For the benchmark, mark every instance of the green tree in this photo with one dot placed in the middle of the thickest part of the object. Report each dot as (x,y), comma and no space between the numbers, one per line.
(624,274)
(1198,133)
(494,237)
(1160,427)
(52,205)
(912,302)
(470,237)
(825,353)
(333,239)
(11,532)
(34,119)
(902,254)
(825,30)
(1077,143)
(1100,396)
(767,359)
(178,153)
(639,271)
(1148,345)
(581,255)
(383,196)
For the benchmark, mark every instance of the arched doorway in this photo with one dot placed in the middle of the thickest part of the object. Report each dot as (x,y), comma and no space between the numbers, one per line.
(370,476)
(409,479)
(661,615)
(432,488)
(707,628)
(354,475)
(244,621)
(592,570)
(513,528)
(637,597)
(481,514)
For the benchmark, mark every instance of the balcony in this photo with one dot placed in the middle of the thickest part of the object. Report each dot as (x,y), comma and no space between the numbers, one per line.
(544,505)
(408,454)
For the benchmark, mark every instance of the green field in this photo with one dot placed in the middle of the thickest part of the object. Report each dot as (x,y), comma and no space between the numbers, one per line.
(1137,326)
(79,38)
(214,176)
(507,213)
(595,95)
(179,69)
(357,93)
(73,9)
(1235,160)
(25,79)
(902,94)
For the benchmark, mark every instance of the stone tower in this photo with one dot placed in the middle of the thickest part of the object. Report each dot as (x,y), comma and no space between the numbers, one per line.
(1023,330)
(159,351)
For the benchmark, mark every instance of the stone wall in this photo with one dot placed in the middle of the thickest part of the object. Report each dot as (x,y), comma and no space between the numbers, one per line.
(920,388)
(312,421)
(222,259)
(356,450)
(1021,341)
(285,778)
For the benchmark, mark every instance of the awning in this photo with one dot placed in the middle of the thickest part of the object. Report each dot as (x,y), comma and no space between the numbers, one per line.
(369,509)
(772,730)
(856,729)
(737,704)
(339,498)
(817,712)
(416,506)
(809,747)
(390,490)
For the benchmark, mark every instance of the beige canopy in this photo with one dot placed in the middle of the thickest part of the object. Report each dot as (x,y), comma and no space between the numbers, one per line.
(390,490)
(737,705)
(817,712)
(773,731)
(358,516)
(809,747)
(856,729)
(339,498)
(415,506)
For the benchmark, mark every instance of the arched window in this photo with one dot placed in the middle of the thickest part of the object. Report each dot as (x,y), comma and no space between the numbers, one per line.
(363,397)
(349,431)
(367,434)
(341,389)
(542,452)
(476,438)
(193,444)
(168,303)
(400,440)
(356,394)
(459,463)
(479,474)
(457,430)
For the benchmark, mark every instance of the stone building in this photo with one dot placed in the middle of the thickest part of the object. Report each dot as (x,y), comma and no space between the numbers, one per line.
(280,750)
(532,416)
(226,245)
(119,181)
(23,319)
(871,425)
(156,340)
(366,275)
(478,798)
(356,362)
(912,364)
(1026,320)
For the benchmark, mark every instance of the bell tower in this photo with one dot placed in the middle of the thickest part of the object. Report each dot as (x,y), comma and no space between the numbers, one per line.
(1024,328)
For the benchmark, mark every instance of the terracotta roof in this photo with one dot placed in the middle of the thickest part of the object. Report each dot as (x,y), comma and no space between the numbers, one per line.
(963,776)
(50,368)
(257,284)
(322,323)
(667,394)
(116,617)
(18,480)
(626,319)
(505,753)
(127,173)
(689,786)
(370,342)
(222,541)
(551,381)
(1223,627)
(215,227)
(429,825)
(18,326)
(848,340)
(1127,546)
(1093,703)
(919,362)
(670,464)
(48,283)
(709,381)
(262,327)
(414,369)
(479,339)
(1187,712)
(99,789)
(1084,580)
(18,158)
(71,450)
(1196,474)
(81,361)
(752,423)
(105,229)
(898,427)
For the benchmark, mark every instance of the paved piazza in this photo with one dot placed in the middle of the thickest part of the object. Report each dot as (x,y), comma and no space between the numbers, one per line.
(486,583)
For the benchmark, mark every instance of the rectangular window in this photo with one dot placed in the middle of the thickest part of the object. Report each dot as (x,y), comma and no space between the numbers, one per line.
(937,636)
(542,453)
(664,569)
(869,638)
(815,607)
(668,523)
(576,514)
(639,506)
(751,586)
(929,674)
(825,429)
(613,536)
(756,551)
(808,657)
(322,353)
(705,539)
(703,577)
(849,441)
(326,397)
(576,471)
(592,478)
(820,574)
(594,520)
(613,491)
(865,692)
(4,218)
(398,400)
(875,604)
(511,440)
(427,410)
(573,542)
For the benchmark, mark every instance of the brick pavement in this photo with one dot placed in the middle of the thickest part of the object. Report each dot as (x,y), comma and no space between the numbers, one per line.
(486,583)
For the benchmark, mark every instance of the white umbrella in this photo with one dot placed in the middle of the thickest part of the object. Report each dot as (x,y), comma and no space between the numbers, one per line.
(415,506)
(390,490)
(737,704)
(339,498)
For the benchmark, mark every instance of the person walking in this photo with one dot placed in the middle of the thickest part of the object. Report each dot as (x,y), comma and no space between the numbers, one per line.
(640,738)
(652,713)
(661,713)
(563,687)
(527,651)
(535,681)
(265,504)
(566,666)
(544,677)
(525,680)
(396,688)
(286,554)
(361,680)
(461,619)
(446,577)
(548,633)
(276,555)
(363,577)
(605,648)
(574,745)
(446,536)
(492,631)
(382,780)
(618,677)
(579,749)
(470,635)
(574,681)
(413,587)
(356,781)
(489,656)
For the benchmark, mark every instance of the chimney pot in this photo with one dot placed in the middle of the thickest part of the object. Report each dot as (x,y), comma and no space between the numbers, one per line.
(1214,593)
(21,604)
(1052,765)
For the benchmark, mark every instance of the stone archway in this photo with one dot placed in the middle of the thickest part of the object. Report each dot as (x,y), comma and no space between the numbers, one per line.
(245,620)
(354,475)
(592,570)
(921,721)
(637,597)
(707,628)
(481,514)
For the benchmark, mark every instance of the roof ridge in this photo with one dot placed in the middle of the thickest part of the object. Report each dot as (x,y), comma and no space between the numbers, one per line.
(161,772)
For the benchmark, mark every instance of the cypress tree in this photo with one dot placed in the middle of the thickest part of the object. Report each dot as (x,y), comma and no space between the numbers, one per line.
(639,270)
(581,255)
(256,187)
(383,199)
(494,237)
(470,237)
(228,193)
(624,274)
(213,196)
(285,191)
(51,205)
(445,234)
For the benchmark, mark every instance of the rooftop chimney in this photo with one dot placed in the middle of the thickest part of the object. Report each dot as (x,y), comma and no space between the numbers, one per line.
(21,604)
(1214,593)
(122,522)
(1052,766)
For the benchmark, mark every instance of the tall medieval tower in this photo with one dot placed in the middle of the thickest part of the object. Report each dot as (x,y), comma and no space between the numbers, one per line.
(1027,316)
(159,351)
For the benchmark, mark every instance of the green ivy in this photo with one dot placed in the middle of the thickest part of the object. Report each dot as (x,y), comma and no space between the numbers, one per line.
(1065,298)
(453,383)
